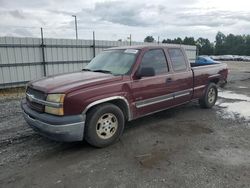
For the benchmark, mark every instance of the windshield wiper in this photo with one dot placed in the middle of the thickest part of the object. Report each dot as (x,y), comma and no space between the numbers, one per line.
(86,70)
(103,71)
(98,70)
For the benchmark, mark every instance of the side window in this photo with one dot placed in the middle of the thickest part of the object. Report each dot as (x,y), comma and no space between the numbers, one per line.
(177,59)
(155,59)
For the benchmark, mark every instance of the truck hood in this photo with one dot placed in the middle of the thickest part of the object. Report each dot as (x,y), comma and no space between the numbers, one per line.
(64,83)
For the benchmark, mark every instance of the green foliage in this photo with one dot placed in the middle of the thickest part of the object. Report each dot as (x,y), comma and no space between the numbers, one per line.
(189,41)
(174,41)
(149,39)
(232,44)
(247,44)
(224,44)
(204,46)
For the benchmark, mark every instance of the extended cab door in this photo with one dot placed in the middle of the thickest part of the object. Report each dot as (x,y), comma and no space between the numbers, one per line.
(182,75)
(153,93)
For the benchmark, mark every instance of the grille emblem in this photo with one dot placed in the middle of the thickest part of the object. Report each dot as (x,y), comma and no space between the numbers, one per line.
(30,97)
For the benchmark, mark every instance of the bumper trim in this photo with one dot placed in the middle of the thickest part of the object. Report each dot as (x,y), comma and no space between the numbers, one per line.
(66,125)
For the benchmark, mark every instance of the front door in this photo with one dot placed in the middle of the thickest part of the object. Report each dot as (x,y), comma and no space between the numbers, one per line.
(155,92)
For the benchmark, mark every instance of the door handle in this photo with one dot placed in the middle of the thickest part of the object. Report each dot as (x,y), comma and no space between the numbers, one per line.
(168,80)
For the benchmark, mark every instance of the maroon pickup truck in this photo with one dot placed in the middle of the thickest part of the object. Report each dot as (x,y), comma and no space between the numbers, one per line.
(120,84)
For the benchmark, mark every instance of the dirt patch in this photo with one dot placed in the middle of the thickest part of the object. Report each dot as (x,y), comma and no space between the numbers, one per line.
(149,160)
(198,129)
(12,93)
(188,128)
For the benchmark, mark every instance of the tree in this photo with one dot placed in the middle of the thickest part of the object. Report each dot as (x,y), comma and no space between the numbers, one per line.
(234,44)
(204,46)
(231,44)
(189,41)
(224,44)
(149,39)
(177,41)
(169,41)
(220,38)
(247,45)
(219,43)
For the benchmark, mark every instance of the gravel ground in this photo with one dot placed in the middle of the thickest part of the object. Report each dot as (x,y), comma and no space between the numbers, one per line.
(182,147)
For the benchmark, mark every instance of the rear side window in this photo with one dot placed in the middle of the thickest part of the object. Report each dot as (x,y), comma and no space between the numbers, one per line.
(155,59)
(177,59)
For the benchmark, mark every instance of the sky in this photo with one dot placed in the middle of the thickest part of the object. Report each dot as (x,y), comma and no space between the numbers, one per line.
(113,20)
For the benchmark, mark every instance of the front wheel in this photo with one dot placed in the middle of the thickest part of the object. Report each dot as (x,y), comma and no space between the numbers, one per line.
(210,97)
(104,125)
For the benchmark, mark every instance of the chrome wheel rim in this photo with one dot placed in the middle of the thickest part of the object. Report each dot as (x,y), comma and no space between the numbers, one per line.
(106,126)
(211,95)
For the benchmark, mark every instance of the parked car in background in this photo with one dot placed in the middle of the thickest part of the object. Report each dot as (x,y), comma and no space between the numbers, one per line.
(230,58)
(119,85)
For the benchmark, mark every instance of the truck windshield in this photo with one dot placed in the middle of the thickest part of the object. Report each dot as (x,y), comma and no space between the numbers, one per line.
(116,62)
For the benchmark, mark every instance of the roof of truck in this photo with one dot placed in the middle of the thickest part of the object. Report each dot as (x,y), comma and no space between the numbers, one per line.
(139,47)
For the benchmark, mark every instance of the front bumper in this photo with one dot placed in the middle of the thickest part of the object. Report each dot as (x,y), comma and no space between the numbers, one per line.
(64,128)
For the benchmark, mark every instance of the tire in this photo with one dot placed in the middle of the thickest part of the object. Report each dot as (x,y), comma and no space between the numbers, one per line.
(104,125)
(210,97)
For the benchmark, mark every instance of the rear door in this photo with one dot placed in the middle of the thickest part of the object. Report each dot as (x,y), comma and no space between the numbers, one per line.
(153,93)
(182,77)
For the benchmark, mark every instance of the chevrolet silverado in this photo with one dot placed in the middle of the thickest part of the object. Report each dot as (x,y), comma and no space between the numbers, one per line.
(119,85)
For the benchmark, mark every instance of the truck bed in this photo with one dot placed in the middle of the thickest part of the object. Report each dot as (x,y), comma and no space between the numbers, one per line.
(203,74)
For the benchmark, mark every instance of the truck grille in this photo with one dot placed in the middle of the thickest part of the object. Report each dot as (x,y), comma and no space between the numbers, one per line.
(38,95)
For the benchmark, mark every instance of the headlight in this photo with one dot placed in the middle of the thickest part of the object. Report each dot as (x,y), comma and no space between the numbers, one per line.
(58,98)
(55,98)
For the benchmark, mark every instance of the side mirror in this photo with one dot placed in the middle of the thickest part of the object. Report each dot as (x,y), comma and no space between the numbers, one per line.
(145,72)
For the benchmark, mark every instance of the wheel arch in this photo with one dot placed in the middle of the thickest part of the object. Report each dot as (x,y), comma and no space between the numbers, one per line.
(119,101)
(215,81)
(214,78)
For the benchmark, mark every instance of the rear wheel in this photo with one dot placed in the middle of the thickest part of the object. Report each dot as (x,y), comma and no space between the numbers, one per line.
(104,125)
(210,97)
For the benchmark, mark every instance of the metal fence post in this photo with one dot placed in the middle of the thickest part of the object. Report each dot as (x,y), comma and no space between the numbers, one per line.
(130,40)
(93,44)
(43,53)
